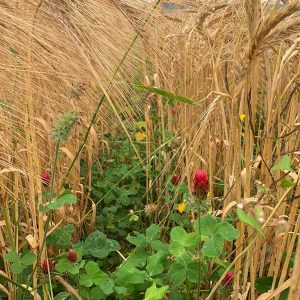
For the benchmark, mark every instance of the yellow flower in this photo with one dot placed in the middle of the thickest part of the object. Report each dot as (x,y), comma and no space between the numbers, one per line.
(139,136)
(242,117)
(180,207)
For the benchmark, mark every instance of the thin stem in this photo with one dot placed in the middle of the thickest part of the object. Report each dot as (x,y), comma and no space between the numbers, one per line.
(14,282)
(199,251)
(49,217)
(10,234)
(49,277)
(93,119)
(187,289)
(54,169)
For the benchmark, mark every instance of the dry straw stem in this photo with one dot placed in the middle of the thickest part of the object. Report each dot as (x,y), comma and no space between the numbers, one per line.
(277,291)
(53,79)
(52,70)
(261,82)
(295,287)
(68,287)
(246,249)
(46,50)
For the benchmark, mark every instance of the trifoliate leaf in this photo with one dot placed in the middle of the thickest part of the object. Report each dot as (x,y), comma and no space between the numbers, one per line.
(213,247)
(284,164)
(154,293)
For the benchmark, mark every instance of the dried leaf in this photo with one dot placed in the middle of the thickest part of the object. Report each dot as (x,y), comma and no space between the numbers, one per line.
(32,241)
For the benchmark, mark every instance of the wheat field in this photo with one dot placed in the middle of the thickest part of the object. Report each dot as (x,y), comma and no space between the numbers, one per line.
(238,63)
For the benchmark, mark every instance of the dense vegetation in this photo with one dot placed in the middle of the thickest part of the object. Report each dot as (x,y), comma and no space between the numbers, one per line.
(148,152)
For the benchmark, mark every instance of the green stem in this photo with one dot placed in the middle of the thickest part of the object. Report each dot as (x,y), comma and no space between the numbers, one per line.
(49,217)
(93,119)
(14,283)
(49,278)
(199,252)
(187,282)
(54,169)
(19,294)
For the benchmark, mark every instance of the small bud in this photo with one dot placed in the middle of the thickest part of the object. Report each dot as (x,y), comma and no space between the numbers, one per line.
(72,255)
(134,218)
(151,209)
(45,178)
(47,264)
(261,220)
(228,277)
(240,206)
(283,226)
(175,179)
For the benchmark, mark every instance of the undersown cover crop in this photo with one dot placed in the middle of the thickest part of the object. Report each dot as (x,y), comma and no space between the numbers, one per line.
(149,150)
